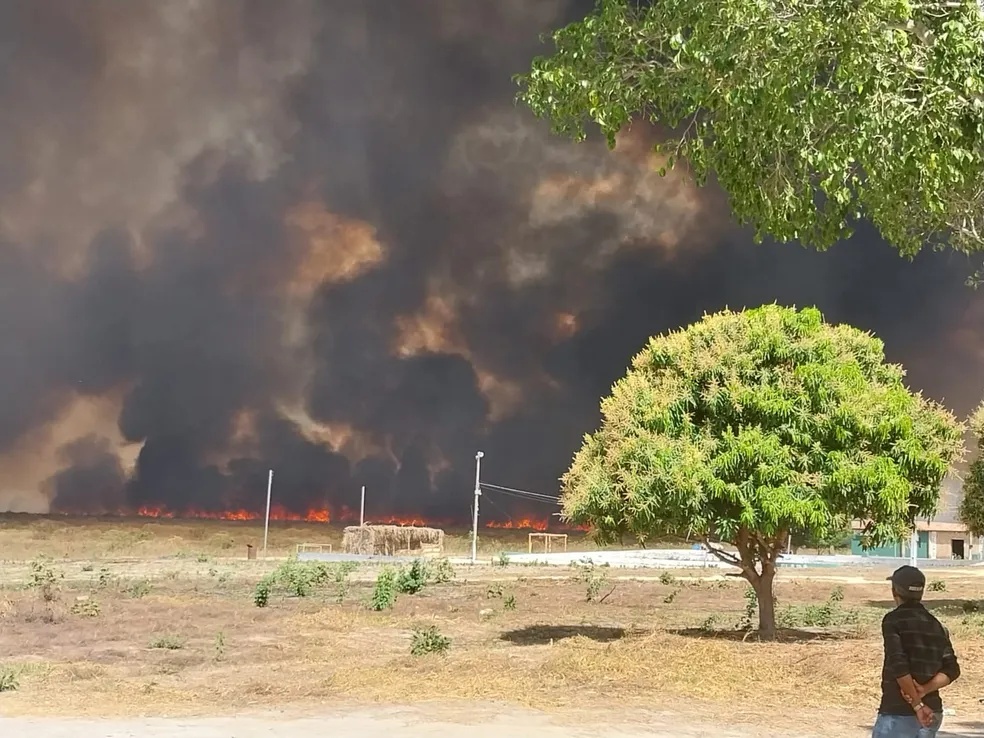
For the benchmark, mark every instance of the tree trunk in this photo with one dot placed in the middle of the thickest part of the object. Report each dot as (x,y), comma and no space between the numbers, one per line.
(757,560)
(765,593)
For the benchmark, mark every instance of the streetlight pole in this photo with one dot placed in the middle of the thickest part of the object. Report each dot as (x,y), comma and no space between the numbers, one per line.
(266,519)
(478,493)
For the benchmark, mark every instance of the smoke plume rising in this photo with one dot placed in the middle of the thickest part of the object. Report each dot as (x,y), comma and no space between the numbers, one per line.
(319,236)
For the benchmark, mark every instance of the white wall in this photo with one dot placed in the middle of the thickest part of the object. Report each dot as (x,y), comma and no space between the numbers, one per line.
(944,544)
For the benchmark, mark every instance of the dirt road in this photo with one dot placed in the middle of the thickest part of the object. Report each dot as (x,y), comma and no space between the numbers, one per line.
(422,722)
(375,723)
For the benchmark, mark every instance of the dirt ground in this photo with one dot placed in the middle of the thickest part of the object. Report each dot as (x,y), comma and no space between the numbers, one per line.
(430,721)
(484,721)
(179,635)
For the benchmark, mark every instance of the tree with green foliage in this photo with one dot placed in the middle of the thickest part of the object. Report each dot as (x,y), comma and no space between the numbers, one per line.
(972,505)
(811,114)
(838,535)
(745,426)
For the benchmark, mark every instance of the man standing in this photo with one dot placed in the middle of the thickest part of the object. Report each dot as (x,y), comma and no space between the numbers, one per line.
(919,661)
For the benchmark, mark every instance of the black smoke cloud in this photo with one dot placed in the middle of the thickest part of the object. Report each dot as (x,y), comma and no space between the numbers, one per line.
(151,155)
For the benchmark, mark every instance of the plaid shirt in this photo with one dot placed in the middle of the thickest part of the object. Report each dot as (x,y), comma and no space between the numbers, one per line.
(916,643)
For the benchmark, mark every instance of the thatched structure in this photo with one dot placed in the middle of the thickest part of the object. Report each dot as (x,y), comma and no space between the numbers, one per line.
(392,540)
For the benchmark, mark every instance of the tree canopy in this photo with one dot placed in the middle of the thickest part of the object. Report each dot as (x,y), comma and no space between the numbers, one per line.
(838,535)
(745,426)
(812,114)
(972,505)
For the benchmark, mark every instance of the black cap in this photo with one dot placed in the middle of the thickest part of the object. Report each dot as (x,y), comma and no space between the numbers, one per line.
(908,580)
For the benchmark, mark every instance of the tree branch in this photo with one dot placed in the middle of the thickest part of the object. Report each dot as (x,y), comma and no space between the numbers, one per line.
(609,592)
(725,556)
(746,539)
(774,547)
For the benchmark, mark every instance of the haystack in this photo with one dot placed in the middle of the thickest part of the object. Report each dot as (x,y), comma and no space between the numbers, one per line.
(392,540)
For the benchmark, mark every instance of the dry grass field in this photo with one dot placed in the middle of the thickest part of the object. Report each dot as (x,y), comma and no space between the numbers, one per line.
(160,618)
(26,536)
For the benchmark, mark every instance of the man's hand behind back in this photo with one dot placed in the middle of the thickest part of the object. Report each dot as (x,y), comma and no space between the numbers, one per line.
(925,715)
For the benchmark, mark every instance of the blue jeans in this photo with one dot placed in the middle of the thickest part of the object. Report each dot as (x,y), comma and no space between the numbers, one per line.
(905,726)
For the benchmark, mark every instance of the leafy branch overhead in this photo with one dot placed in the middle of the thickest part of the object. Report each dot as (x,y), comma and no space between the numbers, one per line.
(812,114)
(746,426)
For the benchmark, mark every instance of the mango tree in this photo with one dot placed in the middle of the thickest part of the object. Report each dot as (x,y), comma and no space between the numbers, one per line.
(748,425)
(811,114)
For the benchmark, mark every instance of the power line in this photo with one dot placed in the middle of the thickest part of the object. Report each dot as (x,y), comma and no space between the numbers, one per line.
(523,495)
(518,491)
(531,498)
(543,500)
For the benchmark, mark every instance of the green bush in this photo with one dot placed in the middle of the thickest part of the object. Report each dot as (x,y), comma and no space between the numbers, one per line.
(974,621)
(592,577)
(937,585)
(443,571)
(167,642)
(341,571)
(428,640)
(44,579)
(139,588)
(829,614)
(385,591)
(751,607)
(86,608)
(105,577)
(261,595)
(413,578)
(301,579)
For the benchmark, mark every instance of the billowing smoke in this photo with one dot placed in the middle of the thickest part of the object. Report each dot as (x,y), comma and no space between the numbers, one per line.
(319,236)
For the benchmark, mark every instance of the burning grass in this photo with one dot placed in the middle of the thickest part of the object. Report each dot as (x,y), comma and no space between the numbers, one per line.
(22,537)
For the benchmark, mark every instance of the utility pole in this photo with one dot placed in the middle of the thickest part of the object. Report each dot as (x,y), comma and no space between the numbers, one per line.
(266,520)
(478,493)
(362,508)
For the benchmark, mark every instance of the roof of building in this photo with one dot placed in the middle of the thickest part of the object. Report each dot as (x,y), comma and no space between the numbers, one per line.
(928,525)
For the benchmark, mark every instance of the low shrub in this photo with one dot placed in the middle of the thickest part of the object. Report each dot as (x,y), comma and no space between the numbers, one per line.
(413,578)
(167,643)
(384,592)
(429,640)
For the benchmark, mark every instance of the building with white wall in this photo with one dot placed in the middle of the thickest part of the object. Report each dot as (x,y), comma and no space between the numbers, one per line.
(942,537)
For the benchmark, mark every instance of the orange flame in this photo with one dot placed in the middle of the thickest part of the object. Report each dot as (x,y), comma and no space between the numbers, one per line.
(522,524)
(324,515)
(277,512)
